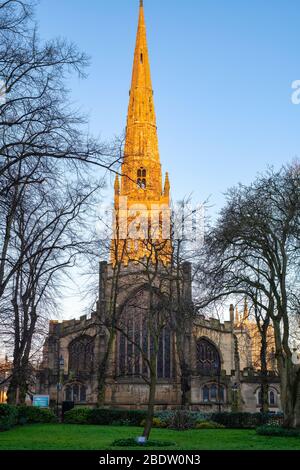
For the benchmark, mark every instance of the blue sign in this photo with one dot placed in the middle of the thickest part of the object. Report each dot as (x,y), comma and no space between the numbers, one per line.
(42,401)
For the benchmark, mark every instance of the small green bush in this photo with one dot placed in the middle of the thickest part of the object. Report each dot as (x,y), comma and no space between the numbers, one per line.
(8,417)
(32,414)
(156,423)
(271,430)
(168,415)
(77,416)
(182,420)
(131,442)
(209,425)
(121,417)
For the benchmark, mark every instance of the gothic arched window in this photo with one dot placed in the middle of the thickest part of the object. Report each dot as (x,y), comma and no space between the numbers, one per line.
(75,392)
(259,397)
(272,397)
(136,337)
(208,358)
(81,355)
(205,393)
(213,392)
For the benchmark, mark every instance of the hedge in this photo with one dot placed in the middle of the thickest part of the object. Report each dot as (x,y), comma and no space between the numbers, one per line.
(32,414)
(113,416)
(104,416)
(8,417)
(271,430)
(11,415)
(77,416)
(176,419)
(245,420)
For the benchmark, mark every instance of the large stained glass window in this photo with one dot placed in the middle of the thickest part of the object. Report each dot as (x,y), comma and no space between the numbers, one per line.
(81,354)
(136,337)
(208,359)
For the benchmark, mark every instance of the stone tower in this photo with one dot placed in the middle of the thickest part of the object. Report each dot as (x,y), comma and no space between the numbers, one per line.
(142,214)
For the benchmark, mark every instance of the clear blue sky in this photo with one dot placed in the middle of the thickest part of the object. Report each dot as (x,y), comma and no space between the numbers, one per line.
(222,72)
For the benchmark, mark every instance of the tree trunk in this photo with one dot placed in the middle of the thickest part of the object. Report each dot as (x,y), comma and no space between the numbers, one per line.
(297,399)
(151,401)
(102,371)
(14,384)
(184,375)
(289,386)
(264,373)
(289,380)
(12,391)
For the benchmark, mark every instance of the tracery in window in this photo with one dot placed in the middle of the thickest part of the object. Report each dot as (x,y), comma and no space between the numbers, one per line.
(208,359)
(213,393)
(136,337)
(81,354)
(75,392)
(272,397)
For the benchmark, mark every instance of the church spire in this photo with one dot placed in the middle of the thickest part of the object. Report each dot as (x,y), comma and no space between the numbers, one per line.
(140,194)
(141,144)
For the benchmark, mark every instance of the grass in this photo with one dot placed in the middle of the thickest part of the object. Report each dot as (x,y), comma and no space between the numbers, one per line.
(80,437)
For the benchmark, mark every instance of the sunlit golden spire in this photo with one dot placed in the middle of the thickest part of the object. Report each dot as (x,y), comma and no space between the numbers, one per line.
(141,181)
(141,145)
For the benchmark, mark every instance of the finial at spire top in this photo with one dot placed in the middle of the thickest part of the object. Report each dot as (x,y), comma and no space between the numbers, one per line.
(141,3)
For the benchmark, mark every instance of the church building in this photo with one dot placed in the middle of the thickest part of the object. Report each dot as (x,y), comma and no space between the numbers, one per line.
(106,357)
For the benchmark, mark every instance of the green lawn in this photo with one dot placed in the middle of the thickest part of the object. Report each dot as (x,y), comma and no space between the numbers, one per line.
(80,437)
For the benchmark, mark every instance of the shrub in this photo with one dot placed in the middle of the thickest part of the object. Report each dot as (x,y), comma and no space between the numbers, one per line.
(32,414)
(120,417)
(167,416)
(131,442)
(77,416)
(156,423)
(104,416)
(275,419)
(182,420)
(244,420)
(209,425)
(8,417)
(275,430)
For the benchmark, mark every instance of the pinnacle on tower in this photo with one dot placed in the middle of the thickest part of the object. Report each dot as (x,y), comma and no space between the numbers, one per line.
(231,313)
(167,185)
(237,316)
(246,312)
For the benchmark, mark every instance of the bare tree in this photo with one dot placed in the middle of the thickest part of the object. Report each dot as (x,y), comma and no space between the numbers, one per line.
(46,155)
(36,118)
(46,241)
(254,248)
